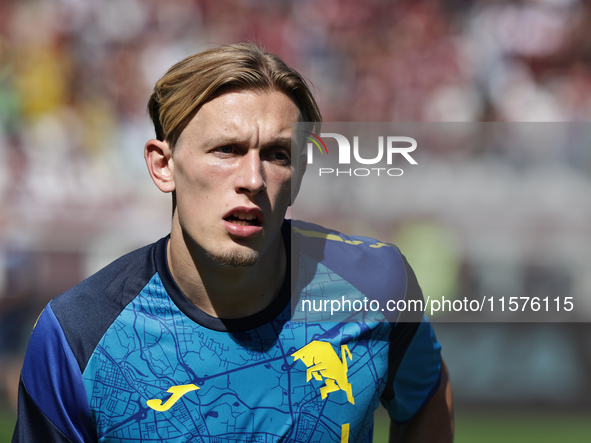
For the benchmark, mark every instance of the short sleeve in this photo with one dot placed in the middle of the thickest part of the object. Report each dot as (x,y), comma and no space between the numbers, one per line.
(417,376)
(52,399)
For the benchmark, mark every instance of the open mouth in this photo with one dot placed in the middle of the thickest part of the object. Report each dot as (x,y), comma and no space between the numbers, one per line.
(242,219)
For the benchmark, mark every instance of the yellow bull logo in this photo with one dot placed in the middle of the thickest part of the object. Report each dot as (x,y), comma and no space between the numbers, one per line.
(324,363)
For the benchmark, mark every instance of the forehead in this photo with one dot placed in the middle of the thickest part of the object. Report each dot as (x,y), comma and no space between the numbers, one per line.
(246,116)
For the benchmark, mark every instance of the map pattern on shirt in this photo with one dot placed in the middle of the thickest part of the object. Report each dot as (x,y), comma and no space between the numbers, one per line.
(250,387)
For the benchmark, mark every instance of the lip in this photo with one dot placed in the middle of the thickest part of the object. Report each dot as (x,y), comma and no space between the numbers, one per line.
(244,231)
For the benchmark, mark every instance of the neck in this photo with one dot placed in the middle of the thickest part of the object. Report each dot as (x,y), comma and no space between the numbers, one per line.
(226,291)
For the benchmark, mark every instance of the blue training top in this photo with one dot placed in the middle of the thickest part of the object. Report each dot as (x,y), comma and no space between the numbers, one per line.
(124,356)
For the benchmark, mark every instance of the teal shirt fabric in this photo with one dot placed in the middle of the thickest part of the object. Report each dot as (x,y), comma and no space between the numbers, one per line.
(130,340)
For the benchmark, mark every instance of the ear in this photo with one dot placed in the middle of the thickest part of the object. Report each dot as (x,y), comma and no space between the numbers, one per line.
(158,156)
(299,175)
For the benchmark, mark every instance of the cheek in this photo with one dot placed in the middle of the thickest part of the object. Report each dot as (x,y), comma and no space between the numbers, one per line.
(283,189)
(192,178)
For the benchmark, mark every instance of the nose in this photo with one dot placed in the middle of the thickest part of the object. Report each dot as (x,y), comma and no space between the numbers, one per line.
(251,175)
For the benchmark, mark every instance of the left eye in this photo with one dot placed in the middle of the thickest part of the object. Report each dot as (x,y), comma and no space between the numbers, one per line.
(279,157)
(226,149)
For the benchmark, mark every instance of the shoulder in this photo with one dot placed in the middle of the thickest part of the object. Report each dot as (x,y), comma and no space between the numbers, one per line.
(87,310)
(125,275)
(375,268)
(350,254)
(313,239)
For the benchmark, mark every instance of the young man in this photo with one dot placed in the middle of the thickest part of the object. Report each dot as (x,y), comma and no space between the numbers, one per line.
(191,338)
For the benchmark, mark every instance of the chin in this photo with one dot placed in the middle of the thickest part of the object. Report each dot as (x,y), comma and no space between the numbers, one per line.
(247,257)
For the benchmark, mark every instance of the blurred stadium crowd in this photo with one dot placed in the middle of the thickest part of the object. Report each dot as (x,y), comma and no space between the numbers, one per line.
(75,76)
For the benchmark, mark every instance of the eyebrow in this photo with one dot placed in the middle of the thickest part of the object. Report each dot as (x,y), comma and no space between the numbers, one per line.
(221,140)
(282,142)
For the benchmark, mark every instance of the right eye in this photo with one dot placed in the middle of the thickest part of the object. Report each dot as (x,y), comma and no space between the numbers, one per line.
(226,149)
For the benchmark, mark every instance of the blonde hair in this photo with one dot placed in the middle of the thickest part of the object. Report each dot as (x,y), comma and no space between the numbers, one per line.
(198,78)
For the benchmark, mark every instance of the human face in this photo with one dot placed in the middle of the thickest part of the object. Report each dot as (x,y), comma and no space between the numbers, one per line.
(232,169)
